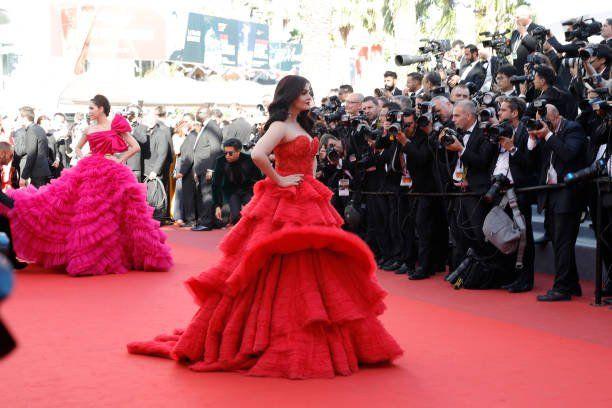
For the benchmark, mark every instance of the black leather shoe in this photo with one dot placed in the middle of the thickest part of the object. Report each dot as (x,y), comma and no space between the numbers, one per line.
(607,291)
(418,275)
(381,261)
(17,264)
(392,266)
(520,288)
(201,228)
(554,296)
(543,240)
(402,270)
(577,291)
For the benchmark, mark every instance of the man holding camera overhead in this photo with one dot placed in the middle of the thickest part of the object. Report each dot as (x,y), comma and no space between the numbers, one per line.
(521,41)
(560,146)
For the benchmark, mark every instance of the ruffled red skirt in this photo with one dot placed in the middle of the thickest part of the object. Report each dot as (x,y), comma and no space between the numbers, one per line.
(293,296)
(93,220)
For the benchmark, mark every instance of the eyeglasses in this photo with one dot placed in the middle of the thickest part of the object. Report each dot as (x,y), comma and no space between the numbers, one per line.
(229,153)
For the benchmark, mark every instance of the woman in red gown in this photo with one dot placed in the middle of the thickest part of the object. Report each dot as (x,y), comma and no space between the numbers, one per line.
(94,219)
(294,295)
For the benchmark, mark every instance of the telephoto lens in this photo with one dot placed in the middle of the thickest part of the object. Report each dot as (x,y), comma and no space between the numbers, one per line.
(453,277)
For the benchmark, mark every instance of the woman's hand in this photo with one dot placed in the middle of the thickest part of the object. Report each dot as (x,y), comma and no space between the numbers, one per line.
(289,181)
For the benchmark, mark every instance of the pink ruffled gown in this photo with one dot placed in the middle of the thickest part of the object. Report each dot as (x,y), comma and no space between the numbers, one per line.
(93,220)
(293,296)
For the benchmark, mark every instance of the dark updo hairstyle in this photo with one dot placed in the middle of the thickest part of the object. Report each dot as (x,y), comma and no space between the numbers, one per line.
(101,102)
(287,91)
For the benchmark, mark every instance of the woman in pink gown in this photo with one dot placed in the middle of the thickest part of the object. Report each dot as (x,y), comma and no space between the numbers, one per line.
(94,219)
(294,295)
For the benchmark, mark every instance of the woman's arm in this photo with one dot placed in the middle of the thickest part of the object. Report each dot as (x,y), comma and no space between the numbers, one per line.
(133,148)
(79,146)
(272,138)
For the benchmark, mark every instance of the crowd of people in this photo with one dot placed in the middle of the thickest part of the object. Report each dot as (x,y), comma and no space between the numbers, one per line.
(414,171)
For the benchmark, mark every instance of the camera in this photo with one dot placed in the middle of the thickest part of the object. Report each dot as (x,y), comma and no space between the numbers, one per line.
(581,28)
(540,105)
(597,169)
(494,132)
(484,98)
(486,114)
(500,182)
(432,50)
(449,136)
(519,79)
(332,154)
(403,60)
(533,124)
(498,42)
(454,277)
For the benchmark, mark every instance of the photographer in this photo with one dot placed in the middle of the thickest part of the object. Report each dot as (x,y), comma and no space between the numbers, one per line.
(560,145)
(543,81)
(596,61)
(522,42)
(414,86)
(432,84)
(473,71)
(429,215)
(371,108)
(470,155)
(514,162)
(353,104)
(502,80)
(460,93)
(600,151)
(391,154)
(344,91)
(331,169)
(390,85)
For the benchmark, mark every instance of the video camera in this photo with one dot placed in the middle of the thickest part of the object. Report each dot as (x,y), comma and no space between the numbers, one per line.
(499,183)
(498,42)
(433,50)
(581,28)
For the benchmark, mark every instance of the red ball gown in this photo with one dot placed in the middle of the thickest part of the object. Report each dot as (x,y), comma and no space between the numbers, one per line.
(93,220)
(293,296)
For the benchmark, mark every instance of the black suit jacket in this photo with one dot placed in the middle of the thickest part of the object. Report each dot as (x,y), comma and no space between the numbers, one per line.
(232,177)
(156,151)
(522,166)
(186,159)
(419,161)
(528,45)
(36,163)
(477,75)
(477,158)
(567,147)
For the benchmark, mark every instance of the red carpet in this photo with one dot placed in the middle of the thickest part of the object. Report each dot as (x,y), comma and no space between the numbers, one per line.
(463,348)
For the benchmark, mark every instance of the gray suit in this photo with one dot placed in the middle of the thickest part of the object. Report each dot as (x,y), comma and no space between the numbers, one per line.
(206,150)
(157,155)
(135,162)
(185,194)
(36,163)
(239,129)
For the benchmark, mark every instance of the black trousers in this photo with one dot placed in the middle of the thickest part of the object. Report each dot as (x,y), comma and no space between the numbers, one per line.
(432,231)
(409,245)
(39,181)
(205,209)
(564,229)
(378,239)
(188,198)
(236,200)
(605,226)
(394,225)
(470,213)
(526,275)
(6,228)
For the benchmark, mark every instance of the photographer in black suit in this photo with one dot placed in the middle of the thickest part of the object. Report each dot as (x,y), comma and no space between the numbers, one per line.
(560,145)
(430,218)
(184,174)
(521,41)
(206,150)
(233,180)
(35,164)
(513,161)
(470,155)
(544,83)
(473,71)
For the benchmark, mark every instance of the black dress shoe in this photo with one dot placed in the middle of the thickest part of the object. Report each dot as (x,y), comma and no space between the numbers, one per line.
(577,291)
(554,296)
(201,228)
(392,266)
(18,264)
(520,288)
(418,275)
(543,240)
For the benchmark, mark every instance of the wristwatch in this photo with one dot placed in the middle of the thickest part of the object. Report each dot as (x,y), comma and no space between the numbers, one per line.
(513,150)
